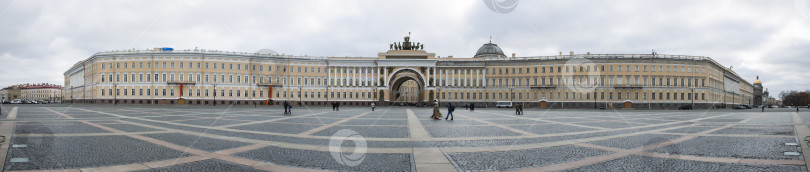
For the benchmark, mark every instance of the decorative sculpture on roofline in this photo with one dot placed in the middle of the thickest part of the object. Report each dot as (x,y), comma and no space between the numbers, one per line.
(407,44)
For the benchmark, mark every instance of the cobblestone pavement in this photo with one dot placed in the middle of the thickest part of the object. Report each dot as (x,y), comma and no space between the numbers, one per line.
(244,138)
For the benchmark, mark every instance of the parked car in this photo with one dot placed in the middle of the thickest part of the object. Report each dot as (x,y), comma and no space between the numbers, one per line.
(685,107)
(6,102)
(16,101)
(742,107)
(506,104)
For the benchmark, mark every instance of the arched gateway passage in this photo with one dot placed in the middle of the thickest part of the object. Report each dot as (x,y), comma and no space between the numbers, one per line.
(407,86)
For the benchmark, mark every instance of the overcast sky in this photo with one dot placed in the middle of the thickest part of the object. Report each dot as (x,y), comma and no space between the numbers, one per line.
(40,40)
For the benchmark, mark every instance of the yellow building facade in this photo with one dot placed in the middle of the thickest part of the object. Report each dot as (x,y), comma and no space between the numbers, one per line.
(206,77)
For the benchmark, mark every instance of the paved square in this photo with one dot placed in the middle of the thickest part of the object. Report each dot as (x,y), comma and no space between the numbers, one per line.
(244,138)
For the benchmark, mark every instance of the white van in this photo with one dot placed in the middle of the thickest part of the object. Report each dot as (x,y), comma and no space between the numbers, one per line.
(506,104)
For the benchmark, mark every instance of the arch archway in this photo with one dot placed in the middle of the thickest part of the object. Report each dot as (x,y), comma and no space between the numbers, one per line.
(414,83)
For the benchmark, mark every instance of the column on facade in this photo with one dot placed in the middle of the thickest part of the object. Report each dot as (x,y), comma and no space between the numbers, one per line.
(354,76)
(466,77)
(453,77)
(374,77)
(343,77)
(336,76)
(440,79)
(434,77)
(365,76)
(484,78)
(385,75)
(427,77)
(463,75)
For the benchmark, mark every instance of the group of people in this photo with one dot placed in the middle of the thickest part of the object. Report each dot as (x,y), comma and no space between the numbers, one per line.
(437,115)
(335,106)
(518,109)
(287,108)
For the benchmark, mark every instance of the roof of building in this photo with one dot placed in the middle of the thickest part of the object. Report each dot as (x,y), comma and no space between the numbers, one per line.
(41,86)
(489,50)
(757,81)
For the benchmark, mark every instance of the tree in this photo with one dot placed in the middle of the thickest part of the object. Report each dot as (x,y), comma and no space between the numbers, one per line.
(795,98)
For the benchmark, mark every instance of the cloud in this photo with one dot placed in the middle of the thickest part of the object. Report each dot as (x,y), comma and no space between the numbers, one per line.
(42,39)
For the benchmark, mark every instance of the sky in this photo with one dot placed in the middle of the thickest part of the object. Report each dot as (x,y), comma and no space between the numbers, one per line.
(40,40)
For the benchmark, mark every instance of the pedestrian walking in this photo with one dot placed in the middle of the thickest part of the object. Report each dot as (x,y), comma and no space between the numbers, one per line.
(372,106)
(518,109)
(333,106)
(337,106)
(450,109)
(472,107)
(467,106)
(287,107)
(437,115)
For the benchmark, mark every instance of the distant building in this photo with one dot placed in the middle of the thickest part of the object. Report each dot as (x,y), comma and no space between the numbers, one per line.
(640,81)
(48,92)
(759,99)
(13,92)
(4,95)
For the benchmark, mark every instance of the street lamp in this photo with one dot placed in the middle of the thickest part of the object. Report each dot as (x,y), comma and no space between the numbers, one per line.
(115,96)
(511,93)
(299,95)
(693,97)
(215,94)
(439,94)
(374,97)
(71,95)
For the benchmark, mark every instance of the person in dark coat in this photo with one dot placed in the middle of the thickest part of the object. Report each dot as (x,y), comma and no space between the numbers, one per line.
(450,109)
(287,107)
(518,109)
(472,106)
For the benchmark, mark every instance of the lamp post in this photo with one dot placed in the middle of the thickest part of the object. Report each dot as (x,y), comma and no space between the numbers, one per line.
(693,97)
(215,94)
(115,96)
(511,94)
(71,95)
(374,97)
(299,95)
(439,95)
